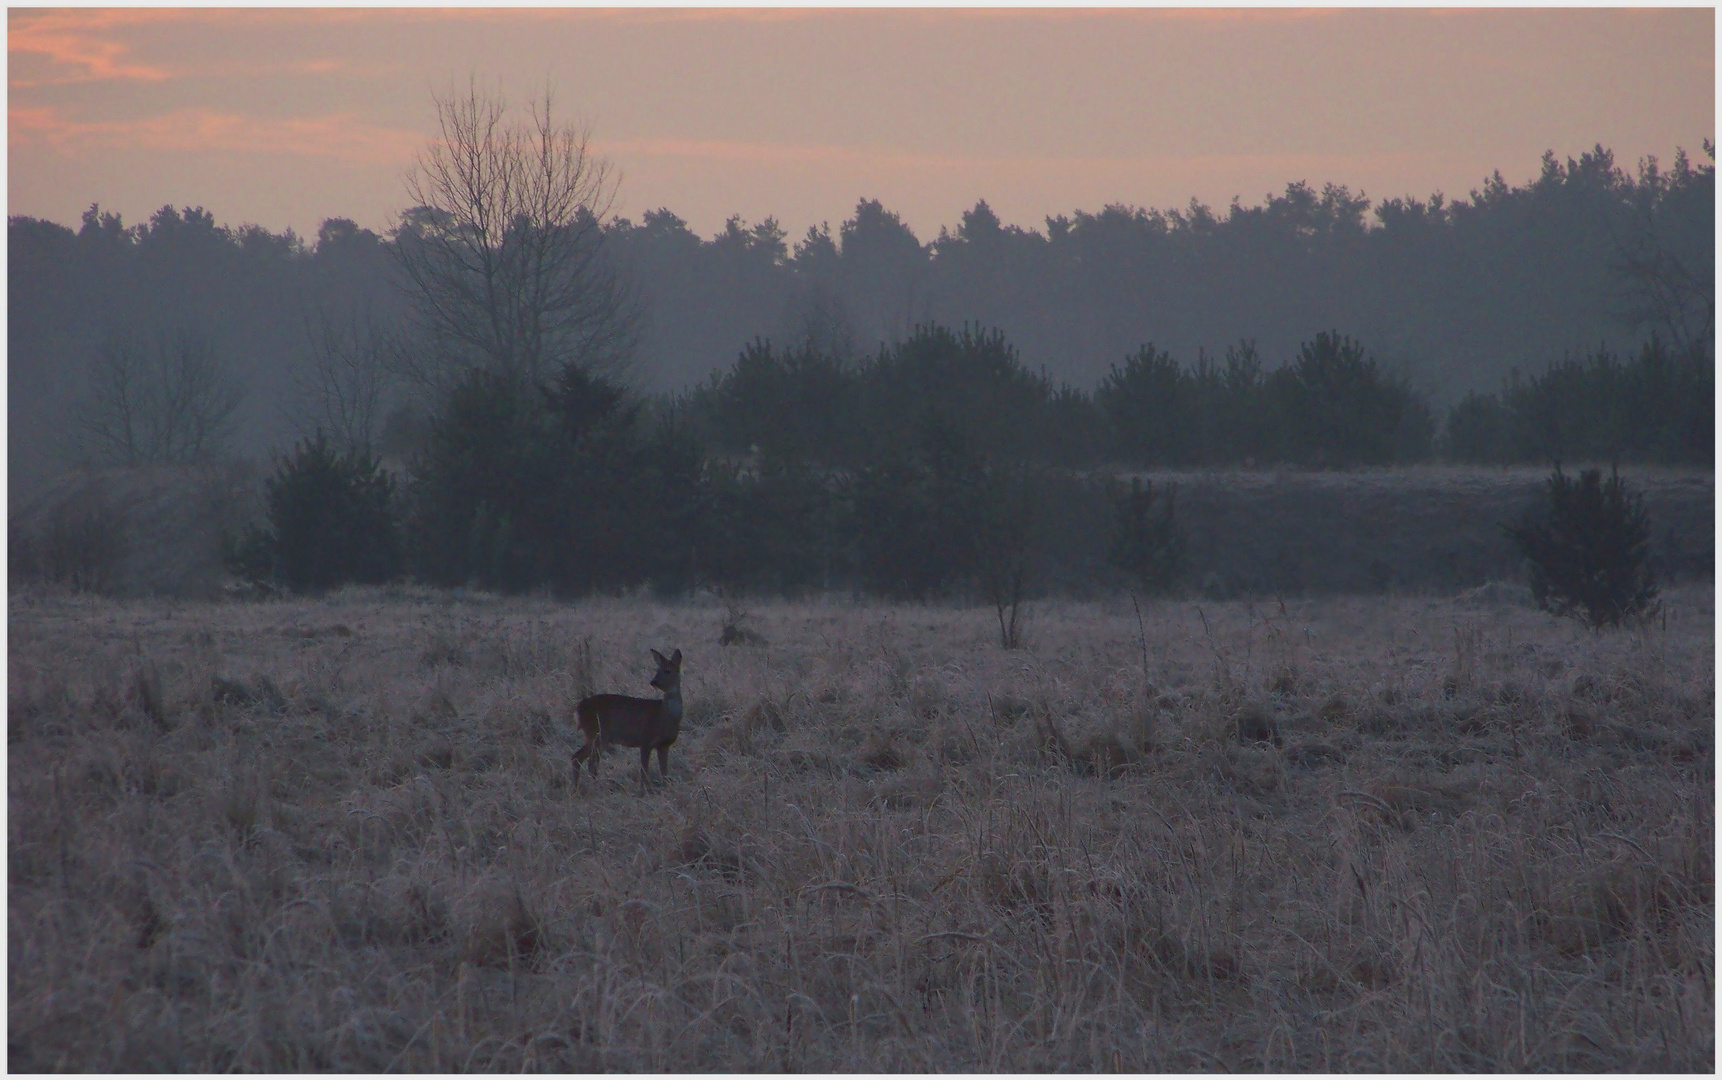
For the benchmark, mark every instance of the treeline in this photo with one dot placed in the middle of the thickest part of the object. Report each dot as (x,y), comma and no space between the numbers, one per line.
(1657,406)
(1452,293)
(574,487)
(1330,405)
(811,405)
(940,467)
(482,350)
(259,304)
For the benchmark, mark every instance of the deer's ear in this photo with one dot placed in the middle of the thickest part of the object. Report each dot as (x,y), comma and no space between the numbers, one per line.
(676,658)
(659,657)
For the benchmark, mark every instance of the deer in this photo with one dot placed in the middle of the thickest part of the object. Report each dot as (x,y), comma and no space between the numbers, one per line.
(648,723)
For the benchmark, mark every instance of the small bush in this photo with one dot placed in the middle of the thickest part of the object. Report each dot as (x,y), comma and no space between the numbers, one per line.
(331,522)
(1588,550)
(1009,546)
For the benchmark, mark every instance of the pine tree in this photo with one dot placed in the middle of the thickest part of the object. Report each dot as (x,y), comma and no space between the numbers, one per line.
(1588,550)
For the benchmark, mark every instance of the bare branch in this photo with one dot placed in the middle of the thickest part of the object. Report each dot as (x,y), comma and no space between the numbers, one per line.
(340,391)
(503,252)
(169,401)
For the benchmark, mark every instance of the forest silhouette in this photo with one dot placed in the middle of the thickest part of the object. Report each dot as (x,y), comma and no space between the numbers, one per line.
(1576,270)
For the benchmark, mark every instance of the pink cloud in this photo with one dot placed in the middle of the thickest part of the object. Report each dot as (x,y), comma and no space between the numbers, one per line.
(344,136)
(92,45)
(75,42)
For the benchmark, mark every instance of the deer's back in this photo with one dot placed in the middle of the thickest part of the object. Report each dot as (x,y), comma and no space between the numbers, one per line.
(627,721)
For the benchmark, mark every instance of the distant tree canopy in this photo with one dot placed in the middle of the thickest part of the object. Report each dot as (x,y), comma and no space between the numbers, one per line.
(940,467)
(576,402)
(241,293)
(1332,406)
(1658,406)
(799,402)
(1450,294)
(1456,291)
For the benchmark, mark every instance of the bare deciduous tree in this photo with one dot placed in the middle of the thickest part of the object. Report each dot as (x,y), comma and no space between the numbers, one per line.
(1674,296)
(169,400)
(503,251)
(341,390)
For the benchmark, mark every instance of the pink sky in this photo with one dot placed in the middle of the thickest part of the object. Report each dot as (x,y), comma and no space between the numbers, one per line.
(285,117)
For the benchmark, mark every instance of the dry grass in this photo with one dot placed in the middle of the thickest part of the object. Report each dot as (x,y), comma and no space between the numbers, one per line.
(1399,834)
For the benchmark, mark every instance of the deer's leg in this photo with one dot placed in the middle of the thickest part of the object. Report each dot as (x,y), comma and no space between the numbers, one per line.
(645,766)
(664,763)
